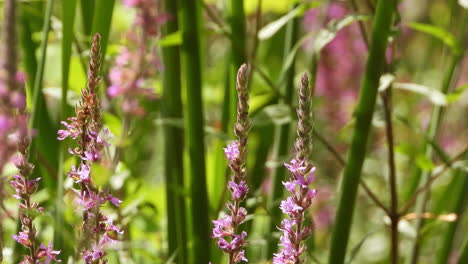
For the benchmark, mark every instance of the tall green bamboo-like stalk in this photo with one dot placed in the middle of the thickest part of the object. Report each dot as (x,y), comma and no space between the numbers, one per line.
(363,114)
(436,118)
(281,145)
(174,142)
(102,19)
(238,50)
(68,11)
(460,192)
(87,12)
(194,135)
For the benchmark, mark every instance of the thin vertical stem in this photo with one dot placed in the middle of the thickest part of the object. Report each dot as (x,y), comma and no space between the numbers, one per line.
(363,113)
(459,190)
(174,143)
(194,135)
(394,217)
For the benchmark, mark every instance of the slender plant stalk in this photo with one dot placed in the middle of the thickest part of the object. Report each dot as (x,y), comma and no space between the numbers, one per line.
(174,143)
(194,136)
(68,10)
(460,192)
(425,176)
(102,18)
(392,178)
(238,50)
(281,146)
(363,113)
(87,12)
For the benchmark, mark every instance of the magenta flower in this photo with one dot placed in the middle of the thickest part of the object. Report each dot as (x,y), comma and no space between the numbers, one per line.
(48,253)
(232,150)
(23,238)
(294,206)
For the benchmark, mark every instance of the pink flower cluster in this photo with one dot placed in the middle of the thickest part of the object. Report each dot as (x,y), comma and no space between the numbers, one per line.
(98,231)
(341,61)
(300,199)
(225,228)
(130,77)
(13,121)
(88,198)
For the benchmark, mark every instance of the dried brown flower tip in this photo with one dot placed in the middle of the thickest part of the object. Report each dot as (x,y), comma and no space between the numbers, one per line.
(242,125)
(304,126)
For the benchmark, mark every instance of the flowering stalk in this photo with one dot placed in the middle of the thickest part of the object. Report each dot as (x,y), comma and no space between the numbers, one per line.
(98,231)
(15,136)
(294,229)
(236,152)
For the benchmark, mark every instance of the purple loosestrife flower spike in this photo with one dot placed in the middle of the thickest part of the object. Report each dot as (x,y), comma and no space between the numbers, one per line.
(15,137)
(97,231)
(226,227)
(301,195)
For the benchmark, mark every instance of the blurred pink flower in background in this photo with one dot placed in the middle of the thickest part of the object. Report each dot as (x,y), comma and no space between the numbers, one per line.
(340,66)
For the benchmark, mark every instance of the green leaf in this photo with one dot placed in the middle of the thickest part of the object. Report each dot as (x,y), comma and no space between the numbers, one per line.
(278,114)
(453,97)
(325,36)
(173,39)
(435,96)
(258,102)
(424,163)
(437,32)
(272,28)
(113,123)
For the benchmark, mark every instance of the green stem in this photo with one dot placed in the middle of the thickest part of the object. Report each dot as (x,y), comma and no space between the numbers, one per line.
(174,146)
(363,114)
(68,9)
(281,145)
(194,134)
(102,19)
(238,52)
(87,11)
(425,176)
(460,192)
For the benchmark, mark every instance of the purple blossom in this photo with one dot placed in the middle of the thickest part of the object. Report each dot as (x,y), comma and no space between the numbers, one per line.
(115,201)
(289,206)
(80,175)
(226,225)
(73,129)
(239,191)
(300,199)
(232,150)
(48,253)
(23,238)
